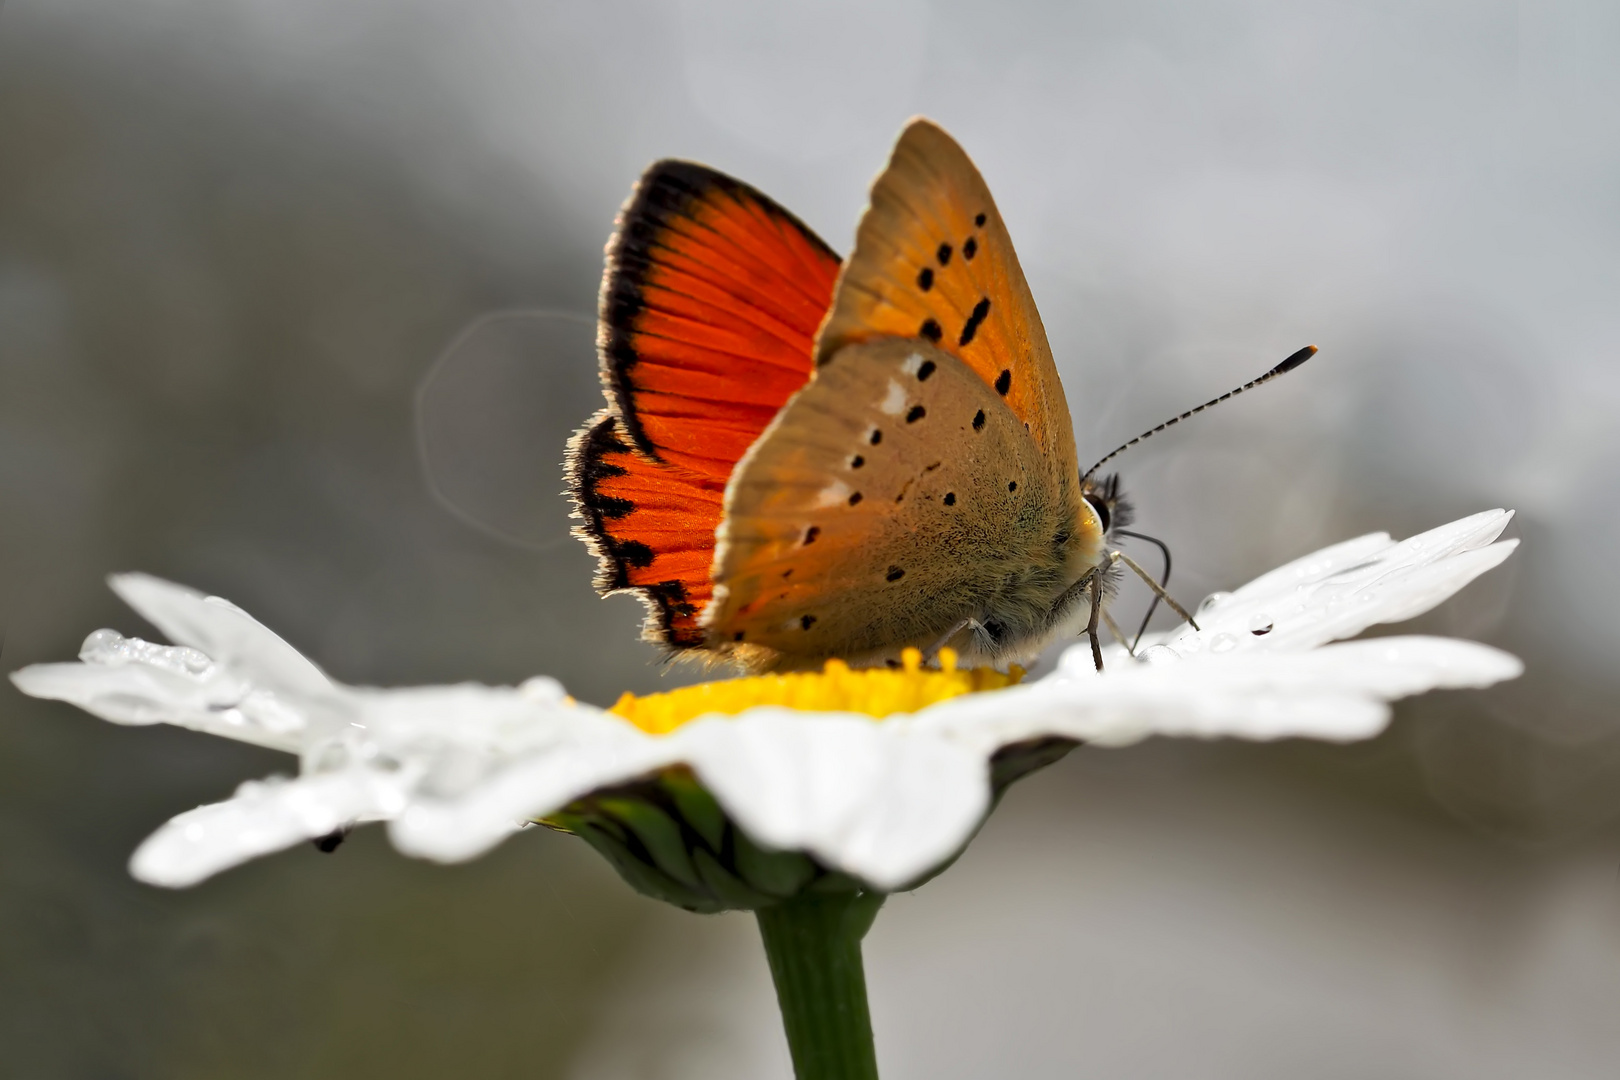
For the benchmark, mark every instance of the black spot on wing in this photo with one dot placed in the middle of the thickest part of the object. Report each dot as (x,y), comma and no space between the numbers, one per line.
(930,329)
(950,498)
(925,278)
(854,500)
(633,553)
(894,574)
(970,248)
(978,219)
(917,413)
(928,367)
(1004,382)
(857,461)
(980,311)
(806,621)
(978,420)
(876,436)
(811,533)
(944,254)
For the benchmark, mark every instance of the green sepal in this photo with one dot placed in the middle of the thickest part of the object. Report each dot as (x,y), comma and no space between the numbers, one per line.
(642,876)
(779,873)
(730,890)
(696,807)
(658,833)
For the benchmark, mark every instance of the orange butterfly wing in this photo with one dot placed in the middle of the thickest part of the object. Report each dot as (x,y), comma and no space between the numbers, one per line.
(933,259)
(710,303)
(810,565)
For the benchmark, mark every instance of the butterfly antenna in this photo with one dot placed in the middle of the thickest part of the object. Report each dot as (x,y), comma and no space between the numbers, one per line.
(1281,369)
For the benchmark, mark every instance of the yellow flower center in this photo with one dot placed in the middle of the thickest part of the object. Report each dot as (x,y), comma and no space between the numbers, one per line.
(877,692)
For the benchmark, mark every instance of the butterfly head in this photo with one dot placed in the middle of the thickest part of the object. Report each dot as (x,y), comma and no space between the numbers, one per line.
(1108,503)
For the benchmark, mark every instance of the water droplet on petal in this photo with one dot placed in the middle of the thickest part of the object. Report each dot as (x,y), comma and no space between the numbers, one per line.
(112,648)
(102,647)
(1157,654)
(1212,601)
(1223,643)
(1260,624)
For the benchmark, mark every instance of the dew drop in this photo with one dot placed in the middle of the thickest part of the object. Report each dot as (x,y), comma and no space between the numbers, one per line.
(1212,601)
(103,647)
(112,648)
(1157,654)
(1223,643)
(1260,625)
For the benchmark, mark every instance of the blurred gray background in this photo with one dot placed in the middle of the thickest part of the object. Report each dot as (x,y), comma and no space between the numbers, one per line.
(237,237)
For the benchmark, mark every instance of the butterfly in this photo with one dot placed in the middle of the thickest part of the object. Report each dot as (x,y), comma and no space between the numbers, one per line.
(805,457)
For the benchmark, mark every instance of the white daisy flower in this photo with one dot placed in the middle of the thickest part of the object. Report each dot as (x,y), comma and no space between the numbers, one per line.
(734,794)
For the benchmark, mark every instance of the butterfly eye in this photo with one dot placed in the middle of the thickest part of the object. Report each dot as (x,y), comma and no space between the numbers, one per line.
(1100,506)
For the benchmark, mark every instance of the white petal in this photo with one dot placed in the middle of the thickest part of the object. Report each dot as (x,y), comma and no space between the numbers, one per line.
(1340,591)
(570,756)
(262,817)
(213,701)
(1464,534)
(864,797)
(1337,692)
(222,630)
(457,768)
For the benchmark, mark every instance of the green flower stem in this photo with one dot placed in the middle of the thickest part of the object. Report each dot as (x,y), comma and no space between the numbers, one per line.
(813,943)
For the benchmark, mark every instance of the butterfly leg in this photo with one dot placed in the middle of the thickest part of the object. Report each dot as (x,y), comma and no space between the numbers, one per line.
(1113,628)
(970,624)
(1158,590)
(1091,624)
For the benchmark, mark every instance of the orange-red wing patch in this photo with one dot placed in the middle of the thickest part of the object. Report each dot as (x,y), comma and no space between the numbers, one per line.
(709,309)
(708,313)
(651,527)
(933,260)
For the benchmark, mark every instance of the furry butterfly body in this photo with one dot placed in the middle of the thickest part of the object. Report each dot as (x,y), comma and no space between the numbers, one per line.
(804,458)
